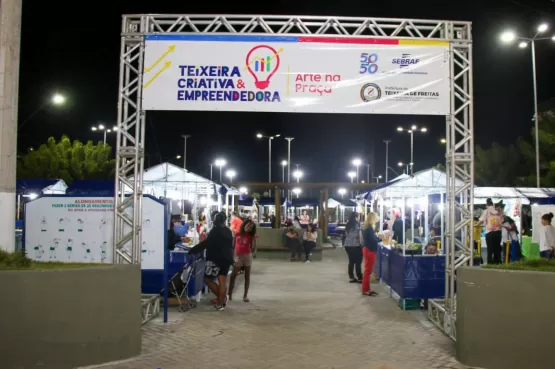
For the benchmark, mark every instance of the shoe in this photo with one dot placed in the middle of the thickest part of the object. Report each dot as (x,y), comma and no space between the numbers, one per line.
(219,307)
(353,281)
(359,281)
(307,261)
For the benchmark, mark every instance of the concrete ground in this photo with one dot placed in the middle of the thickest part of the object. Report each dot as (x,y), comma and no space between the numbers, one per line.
(300,316)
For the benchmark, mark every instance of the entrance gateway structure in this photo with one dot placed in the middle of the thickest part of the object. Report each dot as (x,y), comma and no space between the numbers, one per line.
(308,64)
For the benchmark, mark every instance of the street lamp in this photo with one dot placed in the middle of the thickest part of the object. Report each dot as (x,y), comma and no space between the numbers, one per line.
(55,100)
(356,163)
(342,192)
(220,163)
(297,191)
(352,175)
(411,131)
(230,173)
(298,174)
(243,190)
(443,140)
(378,178)
(508,37)
(101,127)
(283,165)
(405,165)
(270,138)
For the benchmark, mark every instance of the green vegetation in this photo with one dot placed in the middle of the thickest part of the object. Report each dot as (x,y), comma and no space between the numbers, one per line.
(18,261)
(67,160)
(538,265)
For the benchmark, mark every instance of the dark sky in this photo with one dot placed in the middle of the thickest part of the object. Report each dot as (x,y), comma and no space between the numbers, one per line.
(74,50)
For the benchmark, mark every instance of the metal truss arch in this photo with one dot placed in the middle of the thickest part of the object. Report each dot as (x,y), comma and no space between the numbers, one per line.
(459,124)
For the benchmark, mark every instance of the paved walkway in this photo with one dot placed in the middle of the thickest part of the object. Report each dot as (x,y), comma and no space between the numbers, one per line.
(300,316)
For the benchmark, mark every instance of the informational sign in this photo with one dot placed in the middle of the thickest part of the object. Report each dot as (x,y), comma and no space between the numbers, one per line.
(537,212)
(296,74)
(81,230)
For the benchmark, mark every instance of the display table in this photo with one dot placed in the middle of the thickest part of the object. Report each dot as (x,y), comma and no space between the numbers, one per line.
(412,276)
(530,250)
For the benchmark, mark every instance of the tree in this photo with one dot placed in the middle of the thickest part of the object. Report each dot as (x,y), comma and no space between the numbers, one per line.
(497,166)
(546,139)
(68,160)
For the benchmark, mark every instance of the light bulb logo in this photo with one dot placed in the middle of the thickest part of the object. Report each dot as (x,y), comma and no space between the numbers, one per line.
(262,63)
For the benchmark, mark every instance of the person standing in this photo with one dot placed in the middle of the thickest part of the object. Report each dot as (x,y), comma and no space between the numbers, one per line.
(547,237)
(370,248)
(219,258)
(310,236)
(492,218)
(245,245)
(352,245)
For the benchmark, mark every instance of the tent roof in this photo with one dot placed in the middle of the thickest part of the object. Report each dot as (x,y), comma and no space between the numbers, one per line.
(46,186)
(426,182)
(175,182)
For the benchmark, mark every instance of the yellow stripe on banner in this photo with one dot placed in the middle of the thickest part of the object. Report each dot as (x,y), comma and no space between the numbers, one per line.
(423,43)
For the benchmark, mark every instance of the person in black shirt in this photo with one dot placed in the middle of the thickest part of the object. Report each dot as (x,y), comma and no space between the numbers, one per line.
(219,258)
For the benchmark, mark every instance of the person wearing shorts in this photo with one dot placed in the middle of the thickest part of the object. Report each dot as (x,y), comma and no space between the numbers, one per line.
(219,258)
(245,244)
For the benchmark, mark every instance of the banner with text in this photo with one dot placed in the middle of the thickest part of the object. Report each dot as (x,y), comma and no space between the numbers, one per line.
(296,74)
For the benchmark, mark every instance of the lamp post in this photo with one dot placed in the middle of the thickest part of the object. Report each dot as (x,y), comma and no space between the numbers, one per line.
(510,36)
(356,163)
(289,139)
(411,131)
(103,129)
(270,138)
(342,192)
(298,174)
(386,158)
(352,175)
(297,191)
(400,164)
(283,165)
(220,163)
(377,179)
(368,173)
(55,100)
(230,174)
(185,137)
(211,170)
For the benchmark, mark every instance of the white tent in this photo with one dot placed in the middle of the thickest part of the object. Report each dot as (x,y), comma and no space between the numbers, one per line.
(333,204)
(170,181)
(58,188)
(481,194)
(426,182)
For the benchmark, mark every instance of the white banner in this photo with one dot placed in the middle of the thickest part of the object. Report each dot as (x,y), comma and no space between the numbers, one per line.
(296,74)
(81,230)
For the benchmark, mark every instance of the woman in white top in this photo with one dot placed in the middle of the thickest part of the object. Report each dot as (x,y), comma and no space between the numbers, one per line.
(547,237)
(309,240)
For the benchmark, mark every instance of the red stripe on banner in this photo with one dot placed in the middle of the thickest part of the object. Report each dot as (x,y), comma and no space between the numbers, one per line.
(347,40)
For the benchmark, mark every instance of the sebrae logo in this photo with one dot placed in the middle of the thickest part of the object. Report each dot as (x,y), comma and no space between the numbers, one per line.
(405,60)
(263,62)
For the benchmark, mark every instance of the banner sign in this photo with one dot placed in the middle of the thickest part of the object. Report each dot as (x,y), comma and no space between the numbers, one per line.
(296,74)
(81,230)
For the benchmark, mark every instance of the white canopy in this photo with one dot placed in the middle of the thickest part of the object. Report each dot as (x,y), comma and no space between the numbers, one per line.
(333,204)
(171,181)
(58,188)
(426,182)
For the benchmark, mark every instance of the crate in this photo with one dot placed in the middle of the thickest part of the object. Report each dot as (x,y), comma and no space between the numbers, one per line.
(409,304)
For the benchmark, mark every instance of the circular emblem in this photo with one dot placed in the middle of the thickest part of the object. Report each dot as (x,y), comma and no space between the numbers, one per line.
(370,92)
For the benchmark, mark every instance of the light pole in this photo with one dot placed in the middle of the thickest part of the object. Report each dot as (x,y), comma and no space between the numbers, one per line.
(101,127)
(185,137)
(400,164)
(386,158)
(356,163)
(411,131)
(510,36)
(352,175)
(298,174)
(270,138)
(297,191)
(289,139)
(342,192)
(220,163)
(283,164)
(211,171)
(377,179)
(55,100)
(230,174)
(368,173)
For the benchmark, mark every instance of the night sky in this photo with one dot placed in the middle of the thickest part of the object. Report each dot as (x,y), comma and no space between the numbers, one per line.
(74,50)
